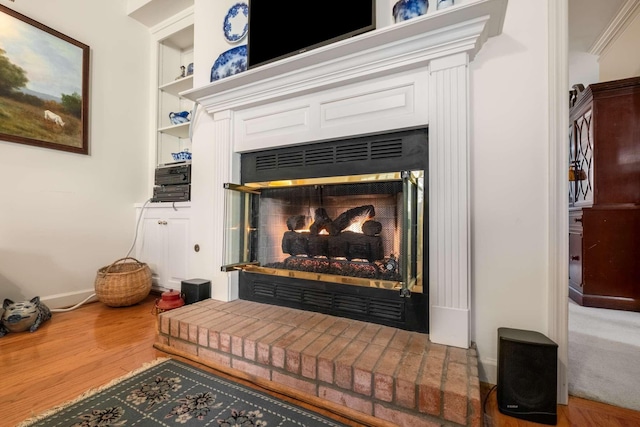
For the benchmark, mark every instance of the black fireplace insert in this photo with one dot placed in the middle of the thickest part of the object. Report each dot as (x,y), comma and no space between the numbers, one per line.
(337,227)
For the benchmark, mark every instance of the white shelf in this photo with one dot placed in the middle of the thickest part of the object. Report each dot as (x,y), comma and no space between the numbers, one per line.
(152,12)
(180,130)
(178,85)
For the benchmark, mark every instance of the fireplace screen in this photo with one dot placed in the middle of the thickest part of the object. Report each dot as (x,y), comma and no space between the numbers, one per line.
(361,230)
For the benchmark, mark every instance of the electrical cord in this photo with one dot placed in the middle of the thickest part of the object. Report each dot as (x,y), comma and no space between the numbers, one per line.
(484,405)
(135,238)
(60,310)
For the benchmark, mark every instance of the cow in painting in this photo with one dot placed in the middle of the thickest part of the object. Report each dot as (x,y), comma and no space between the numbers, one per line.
(50,115)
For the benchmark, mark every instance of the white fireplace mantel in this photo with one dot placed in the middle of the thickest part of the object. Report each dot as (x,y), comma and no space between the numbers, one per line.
(413,73)
(399,47)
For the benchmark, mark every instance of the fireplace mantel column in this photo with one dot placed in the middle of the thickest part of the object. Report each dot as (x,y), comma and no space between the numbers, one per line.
(449,287)
(213,165)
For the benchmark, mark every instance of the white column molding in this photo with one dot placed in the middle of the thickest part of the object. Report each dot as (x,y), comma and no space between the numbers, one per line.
(449,288)
(212,164)
(558,202)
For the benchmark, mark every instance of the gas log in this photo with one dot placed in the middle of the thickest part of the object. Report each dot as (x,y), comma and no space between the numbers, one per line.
(322,221)
(345,219)
(347,245)
(296,222)
(337,243)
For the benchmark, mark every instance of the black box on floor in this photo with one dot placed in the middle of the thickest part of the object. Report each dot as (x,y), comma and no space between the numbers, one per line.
(527,375)
(195,290)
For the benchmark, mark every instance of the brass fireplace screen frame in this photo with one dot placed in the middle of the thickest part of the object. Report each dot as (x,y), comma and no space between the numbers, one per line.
(242,210)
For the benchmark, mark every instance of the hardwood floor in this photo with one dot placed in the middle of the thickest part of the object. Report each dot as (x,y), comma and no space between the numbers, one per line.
(579,413)
(86,348)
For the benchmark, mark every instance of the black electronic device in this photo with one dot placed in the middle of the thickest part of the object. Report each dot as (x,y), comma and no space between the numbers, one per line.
(194,290)
(172,174)
(276,32)
(527,375)
(172,193)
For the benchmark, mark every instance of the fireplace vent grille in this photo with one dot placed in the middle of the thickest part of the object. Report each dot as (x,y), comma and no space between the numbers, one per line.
(356,151)
(266,162)
(357,306)
(353,304)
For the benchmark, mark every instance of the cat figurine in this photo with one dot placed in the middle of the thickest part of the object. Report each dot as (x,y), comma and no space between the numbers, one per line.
(23,315)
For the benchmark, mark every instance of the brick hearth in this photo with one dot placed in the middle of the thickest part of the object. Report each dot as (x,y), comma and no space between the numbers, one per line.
(382,372)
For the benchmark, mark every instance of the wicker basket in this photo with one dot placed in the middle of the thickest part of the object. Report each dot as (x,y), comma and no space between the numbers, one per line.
(125,282)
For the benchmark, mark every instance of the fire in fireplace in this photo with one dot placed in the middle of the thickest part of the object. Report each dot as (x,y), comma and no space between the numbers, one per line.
(350,245)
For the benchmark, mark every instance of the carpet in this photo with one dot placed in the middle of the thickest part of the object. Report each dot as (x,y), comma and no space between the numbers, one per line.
(172,393)
(603,355)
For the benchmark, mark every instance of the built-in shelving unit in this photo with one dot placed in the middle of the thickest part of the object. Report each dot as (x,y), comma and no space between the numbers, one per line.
(164,242)
(175,50)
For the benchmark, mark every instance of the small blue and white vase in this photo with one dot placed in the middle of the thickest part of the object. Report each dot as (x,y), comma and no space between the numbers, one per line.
(179,117)
(407,9)
(443,4)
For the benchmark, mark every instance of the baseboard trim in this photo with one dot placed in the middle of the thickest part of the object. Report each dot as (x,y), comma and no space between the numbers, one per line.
(69,299)
(449,326)
(488,370)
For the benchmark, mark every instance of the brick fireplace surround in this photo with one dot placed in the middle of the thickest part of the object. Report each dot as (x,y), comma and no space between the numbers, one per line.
(376,375)
(414,74)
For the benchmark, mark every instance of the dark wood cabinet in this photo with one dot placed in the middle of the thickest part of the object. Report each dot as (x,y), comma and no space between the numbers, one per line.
(604,196)
(575,251)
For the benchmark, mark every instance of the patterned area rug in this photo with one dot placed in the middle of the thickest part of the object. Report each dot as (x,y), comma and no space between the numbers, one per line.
(172,393)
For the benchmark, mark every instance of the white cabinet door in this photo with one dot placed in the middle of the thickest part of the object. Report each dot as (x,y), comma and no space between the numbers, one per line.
(150,248)
(177,250)
(163,240)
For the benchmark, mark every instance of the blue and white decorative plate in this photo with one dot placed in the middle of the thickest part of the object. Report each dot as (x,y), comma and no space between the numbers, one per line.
(229,63)
(407,9)
(236,22)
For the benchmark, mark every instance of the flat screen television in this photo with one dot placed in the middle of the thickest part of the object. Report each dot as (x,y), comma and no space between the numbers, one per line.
(281,29)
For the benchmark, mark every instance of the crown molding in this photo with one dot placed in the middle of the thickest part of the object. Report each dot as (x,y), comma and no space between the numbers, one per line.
(618,24)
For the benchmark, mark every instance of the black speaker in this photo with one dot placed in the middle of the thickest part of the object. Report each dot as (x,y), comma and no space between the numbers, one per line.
(527,375)
(195,290)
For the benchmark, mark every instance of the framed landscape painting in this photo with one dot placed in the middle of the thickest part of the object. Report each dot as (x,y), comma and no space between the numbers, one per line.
(44,85)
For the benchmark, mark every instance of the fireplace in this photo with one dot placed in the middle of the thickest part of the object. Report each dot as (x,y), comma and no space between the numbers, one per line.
(305,235)
(409,75)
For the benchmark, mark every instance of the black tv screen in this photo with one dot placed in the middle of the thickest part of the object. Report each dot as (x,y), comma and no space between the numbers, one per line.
(281,29)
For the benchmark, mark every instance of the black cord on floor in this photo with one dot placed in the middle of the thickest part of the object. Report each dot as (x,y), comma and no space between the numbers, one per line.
(484,405)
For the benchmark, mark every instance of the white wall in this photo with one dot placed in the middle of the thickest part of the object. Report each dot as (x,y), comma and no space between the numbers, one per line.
(509,180)
(64,215)
(583,68)
(620,59)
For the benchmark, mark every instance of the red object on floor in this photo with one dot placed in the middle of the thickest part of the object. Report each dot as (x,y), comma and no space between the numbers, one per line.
(169,300)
